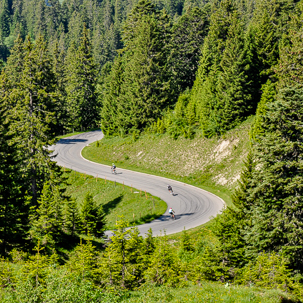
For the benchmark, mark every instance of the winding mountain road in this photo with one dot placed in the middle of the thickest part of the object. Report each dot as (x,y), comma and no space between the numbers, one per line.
(193,206)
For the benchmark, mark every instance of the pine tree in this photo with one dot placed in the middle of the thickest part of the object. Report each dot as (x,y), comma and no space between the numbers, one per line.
(58,70)
(144,89)
(71,217)
(290,64)
(12,72)
(161,271)
(268,96)
(82,102)
(231,223)
(223,92)
(47,220)
(276,192)
(14,208)
(270,21)
(5,20)
(122,263)
(32,102)
(187,38)
(92,216)
(83,261)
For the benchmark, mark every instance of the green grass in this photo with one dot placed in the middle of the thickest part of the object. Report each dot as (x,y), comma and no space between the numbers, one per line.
(115,198)
(209,292)
(212,164)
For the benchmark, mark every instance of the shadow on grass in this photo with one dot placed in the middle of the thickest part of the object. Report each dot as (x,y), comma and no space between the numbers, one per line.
(68,243)
(145,219)
(112,204)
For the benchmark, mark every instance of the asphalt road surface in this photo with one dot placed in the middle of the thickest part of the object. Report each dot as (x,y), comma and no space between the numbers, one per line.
(193,206)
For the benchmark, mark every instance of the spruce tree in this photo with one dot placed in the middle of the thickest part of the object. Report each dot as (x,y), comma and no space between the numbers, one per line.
(5,20)
(145,87)
(223,92)
(92,216)
(187,39)
(81,77)
(290,65)
(231,223)
(268,96)
(122,263)
(276,185)
(33,99)
(47,220)
(14,208)
(71,218)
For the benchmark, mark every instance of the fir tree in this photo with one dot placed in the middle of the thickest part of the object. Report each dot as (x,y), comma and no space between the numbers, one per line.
(71,217)
(81,73)
(14,208)
(223,92)
(231,223)
(289,67)
(47,220)
(276,191)
(122,264)
(33,99)
(268,96)
(92,216)
(5,20)
(187,38)
(144,89)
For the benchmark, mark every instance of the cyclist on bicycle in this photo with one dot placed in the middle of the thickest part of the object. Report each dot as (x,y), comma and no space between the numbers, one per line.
(170,190)
(172,213)
(113,168)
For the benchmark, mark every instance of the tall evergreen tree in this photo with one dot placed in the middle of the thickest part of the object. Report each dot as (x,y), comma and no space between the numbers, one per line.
(33,100)
(145,89)
(92,217)
(14,208)
(223,91)
(187,38)
(47,219)
(81,77)
(276,186)
(5,20)
(290,64)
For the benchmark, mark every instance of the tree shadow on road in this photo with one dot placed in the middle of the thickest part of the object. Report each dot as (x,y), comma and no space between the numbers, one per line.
(178,216)
(71,141)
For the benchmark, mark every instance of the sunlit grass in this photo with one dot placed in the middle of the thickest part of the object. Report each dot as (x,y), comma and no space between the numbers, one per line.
(209,292)
(116,199)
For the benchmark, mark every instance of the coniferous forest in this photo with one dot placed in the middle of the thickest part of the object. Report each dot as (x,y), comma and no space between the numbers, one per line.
(177,67)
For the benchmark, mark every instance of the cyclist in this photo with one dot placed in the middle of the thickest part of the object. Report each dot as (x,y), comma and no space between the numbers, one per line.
(172,213)
(170,190)
(113,168)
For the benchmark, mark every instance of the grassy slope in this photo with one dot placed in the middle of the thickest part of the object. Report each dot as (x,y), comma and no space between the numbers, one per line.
(213,164)
(116,199)
(209,292)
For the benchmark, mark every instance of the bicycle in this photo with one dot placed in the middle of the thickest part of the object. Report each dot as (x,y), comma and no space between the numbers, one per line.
(113,169)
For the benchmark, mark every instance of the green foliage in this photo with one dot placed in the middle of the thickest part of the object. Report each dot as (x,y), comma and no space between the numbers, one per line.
(223,91)
(14,208)
(122,263)
(80,76)
(268,271)
(164,267)
(92,216)
(275,193)
(141,76)
(83,261)
(268,96)
(71,218)
(47,219)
